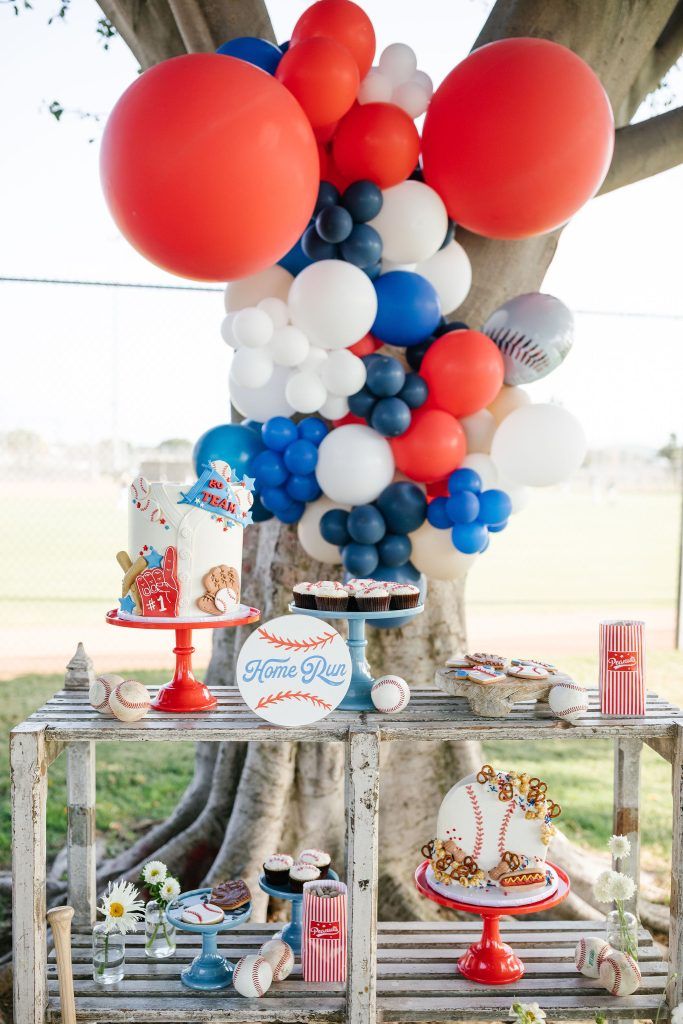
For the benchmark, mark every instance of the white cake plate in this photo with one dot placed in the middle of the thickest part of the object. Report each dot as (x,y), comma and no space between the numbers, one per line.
(492,895)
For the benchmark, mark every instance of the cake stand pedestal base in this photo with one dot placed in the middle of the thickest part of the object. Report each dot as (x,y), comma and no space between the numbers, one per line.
(209,971)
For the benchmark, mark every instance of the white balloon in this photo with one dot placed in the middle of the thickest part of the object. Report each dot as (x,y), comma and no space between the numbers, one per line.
(506,401)
(308,531)
(227,332)
(485,467)
(519,495)
(422,79)
(315,360)
(252,327)
(289,346)
(539,445)
(276,309)
(450,271)
(412,98)
(355,464)
(479,430)
(273,282)
(375,88)
(305,392)
(343,373)
(261,403)
(251,367)
(398,62)
(434,554)
(412,222)
(333,302)
(334,408)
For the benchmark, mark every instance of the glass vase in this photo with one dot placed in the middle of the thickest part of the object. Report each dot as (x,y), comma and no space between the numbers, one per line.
(160,934)
(108,955)
(622,931)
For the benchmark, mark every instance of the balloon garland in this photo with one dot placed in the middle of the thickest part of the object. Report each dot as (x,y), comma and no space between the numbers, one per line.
(293,172)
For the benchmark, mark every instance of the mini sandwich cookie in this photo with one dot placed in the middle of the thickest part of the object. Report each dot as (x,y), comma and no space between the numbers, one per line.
(485,674)
(491,660)
(202,913)
(527,670)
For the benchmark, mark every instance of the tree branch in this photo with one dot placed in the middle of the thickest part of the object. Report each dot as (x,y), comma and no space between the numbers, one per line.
(660,59)
(646,148)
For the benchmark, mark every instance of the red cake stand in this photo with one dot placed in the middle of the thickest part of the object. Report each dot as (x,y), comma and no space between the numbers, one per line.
(184,692)
(491,961)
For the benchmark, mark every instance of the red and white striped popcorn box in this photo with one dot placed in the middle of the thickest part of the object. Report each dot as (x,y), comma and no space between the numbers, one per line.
(622,667)
(324,933)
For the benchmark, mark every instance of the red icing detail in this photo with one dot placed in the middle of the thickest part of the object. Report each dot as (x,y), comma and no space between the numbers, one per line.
(159,591)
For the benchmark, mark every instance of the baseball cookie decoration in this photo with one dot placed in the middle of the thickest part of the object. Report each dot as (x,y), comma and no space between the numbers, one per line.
(280,956)
(619,973)
(589,954)
(568,700)
(253,976)
(129,701)
(101,691)
(390,694)
(534,333)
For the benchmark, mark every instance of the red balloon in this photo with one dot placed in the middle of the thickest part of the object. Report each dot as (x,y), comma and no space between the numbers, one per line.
(376,141)
(209,167)
(323,76)
(464,371)
(349,418)
(517,138)
(438,489)
(365,347)
(432,447)
(325,132)
(342,21)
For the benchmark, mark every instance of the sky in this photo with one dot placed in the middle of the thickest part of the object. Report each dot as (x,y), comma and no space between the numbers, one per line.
(79,360)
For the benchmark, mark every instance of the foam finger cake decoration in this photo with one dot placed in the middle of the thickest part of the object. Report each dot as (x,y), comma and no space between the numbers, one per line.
(184,557)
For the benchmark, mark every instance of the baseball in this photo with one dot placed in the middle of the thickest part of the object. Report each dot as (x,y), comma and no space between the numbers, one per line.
(390,694)
(129,701)
(280,956)
(253,976)
(619,973)
(568,700)
(589,954)
(100,692)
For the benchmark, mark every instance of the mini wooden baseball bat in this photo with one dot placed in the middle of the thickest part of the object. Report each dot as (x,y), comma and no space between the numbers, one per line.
(59,919)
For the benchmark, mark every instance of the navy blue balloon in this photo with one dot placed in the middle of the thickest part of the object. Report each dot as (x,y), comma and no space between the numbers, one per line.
(446,327)
(437,514)
(374,271)
(334,224)
(366,524)
(284,46)
(390,417)
(333,527)
(253,50)
(463,479)
(328,195)
(360,560)
(414,392)
(449,236)
(295,260)
(385,375)
(403,506)
(269,469)
(232,443)
(362,403)
(497,527)
(259,512)
(278,432)
(417,174)
(303,487)
(363,247)
(312,429)
(394,549)
(463,507)
(470,538)
(398,574)
(293,512)
(363,199)
(301,456)
(275,499)
(495,507)
(408,308)
(416,353)
(315,247)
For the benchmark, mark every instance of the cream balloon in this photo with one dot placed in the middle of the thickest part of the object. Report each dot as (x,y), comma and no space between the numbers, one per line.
(484,466)
(539,445)
(335,407)
(251,367)
(412,222)
(277,310)
(252,327)
(434,555)
(305,392)
(479,430)
(398,62)
(274,282)
(506,401)
(308,531)
(450,271)
(333,302)
(375,88)
(261,403)
(227,332)
(355,464)
(411,97)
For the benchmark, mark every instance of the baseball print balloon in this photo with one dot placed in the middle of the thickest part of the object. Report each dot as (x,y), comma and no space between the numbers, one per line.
(130,701)
(100,692)
(390,694)
(534,333)
(280,956)
(568,700)
(253,976)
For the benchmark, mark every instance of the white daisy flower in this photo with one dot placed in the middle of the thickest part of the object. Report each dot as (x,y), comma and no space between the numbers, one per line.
(619,846)
(121,907)
(169,889)
(677,1014)
(154,872)
(603,888)
(623,886)
(527,1013)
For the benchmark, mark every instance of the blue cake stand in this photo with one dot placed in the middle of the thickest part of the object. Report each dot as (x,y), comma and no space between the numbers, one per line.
(291,933)
(358,694)
(209,970)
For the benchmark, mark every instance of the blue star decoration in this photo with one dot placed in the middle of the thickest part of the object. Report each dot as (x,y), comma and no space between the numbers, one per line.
(126,604)
(249,482)
(153,559)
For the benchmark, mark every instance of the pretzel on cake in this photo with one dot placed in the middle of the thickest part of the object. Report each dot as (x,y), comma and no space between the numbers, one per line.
(485,774)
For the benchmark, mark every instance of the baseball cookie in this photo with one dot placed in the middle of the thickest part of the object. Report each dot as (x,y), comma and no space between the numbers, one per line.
(527,670)
(202,913)
(253,976)
(100,692)
(550,669)
(619,973)
(129,701)
(390,694)
(485,674)
(496,660)
(280,956)
(589,954)
(458,661)
(568,700)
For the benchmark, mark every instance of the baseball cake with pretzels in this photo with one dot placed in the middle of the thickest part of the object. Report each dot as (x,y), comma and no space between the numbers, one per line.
(493,831)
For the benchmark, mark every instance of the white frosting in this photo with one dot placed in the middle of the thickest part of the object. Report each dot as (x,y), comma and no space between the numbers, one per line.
(319,858)
(278,862)
(304,872)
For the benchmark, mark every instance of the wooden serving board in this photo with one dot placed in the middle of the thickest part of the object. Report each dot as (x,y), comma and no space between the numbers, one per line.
(495,700)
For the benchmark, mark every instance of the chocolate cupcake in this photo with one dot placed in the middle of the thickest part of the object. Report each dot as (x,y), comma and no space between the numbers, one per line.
(276,868)
(330,596)
(373,599)
(303,596)
(318,858)
(404,595)
(300,873)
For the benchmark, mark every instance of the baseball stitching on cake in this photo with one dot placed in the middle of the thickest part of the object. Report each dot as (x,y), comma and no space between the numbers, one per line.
(505,824)
(479,822)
